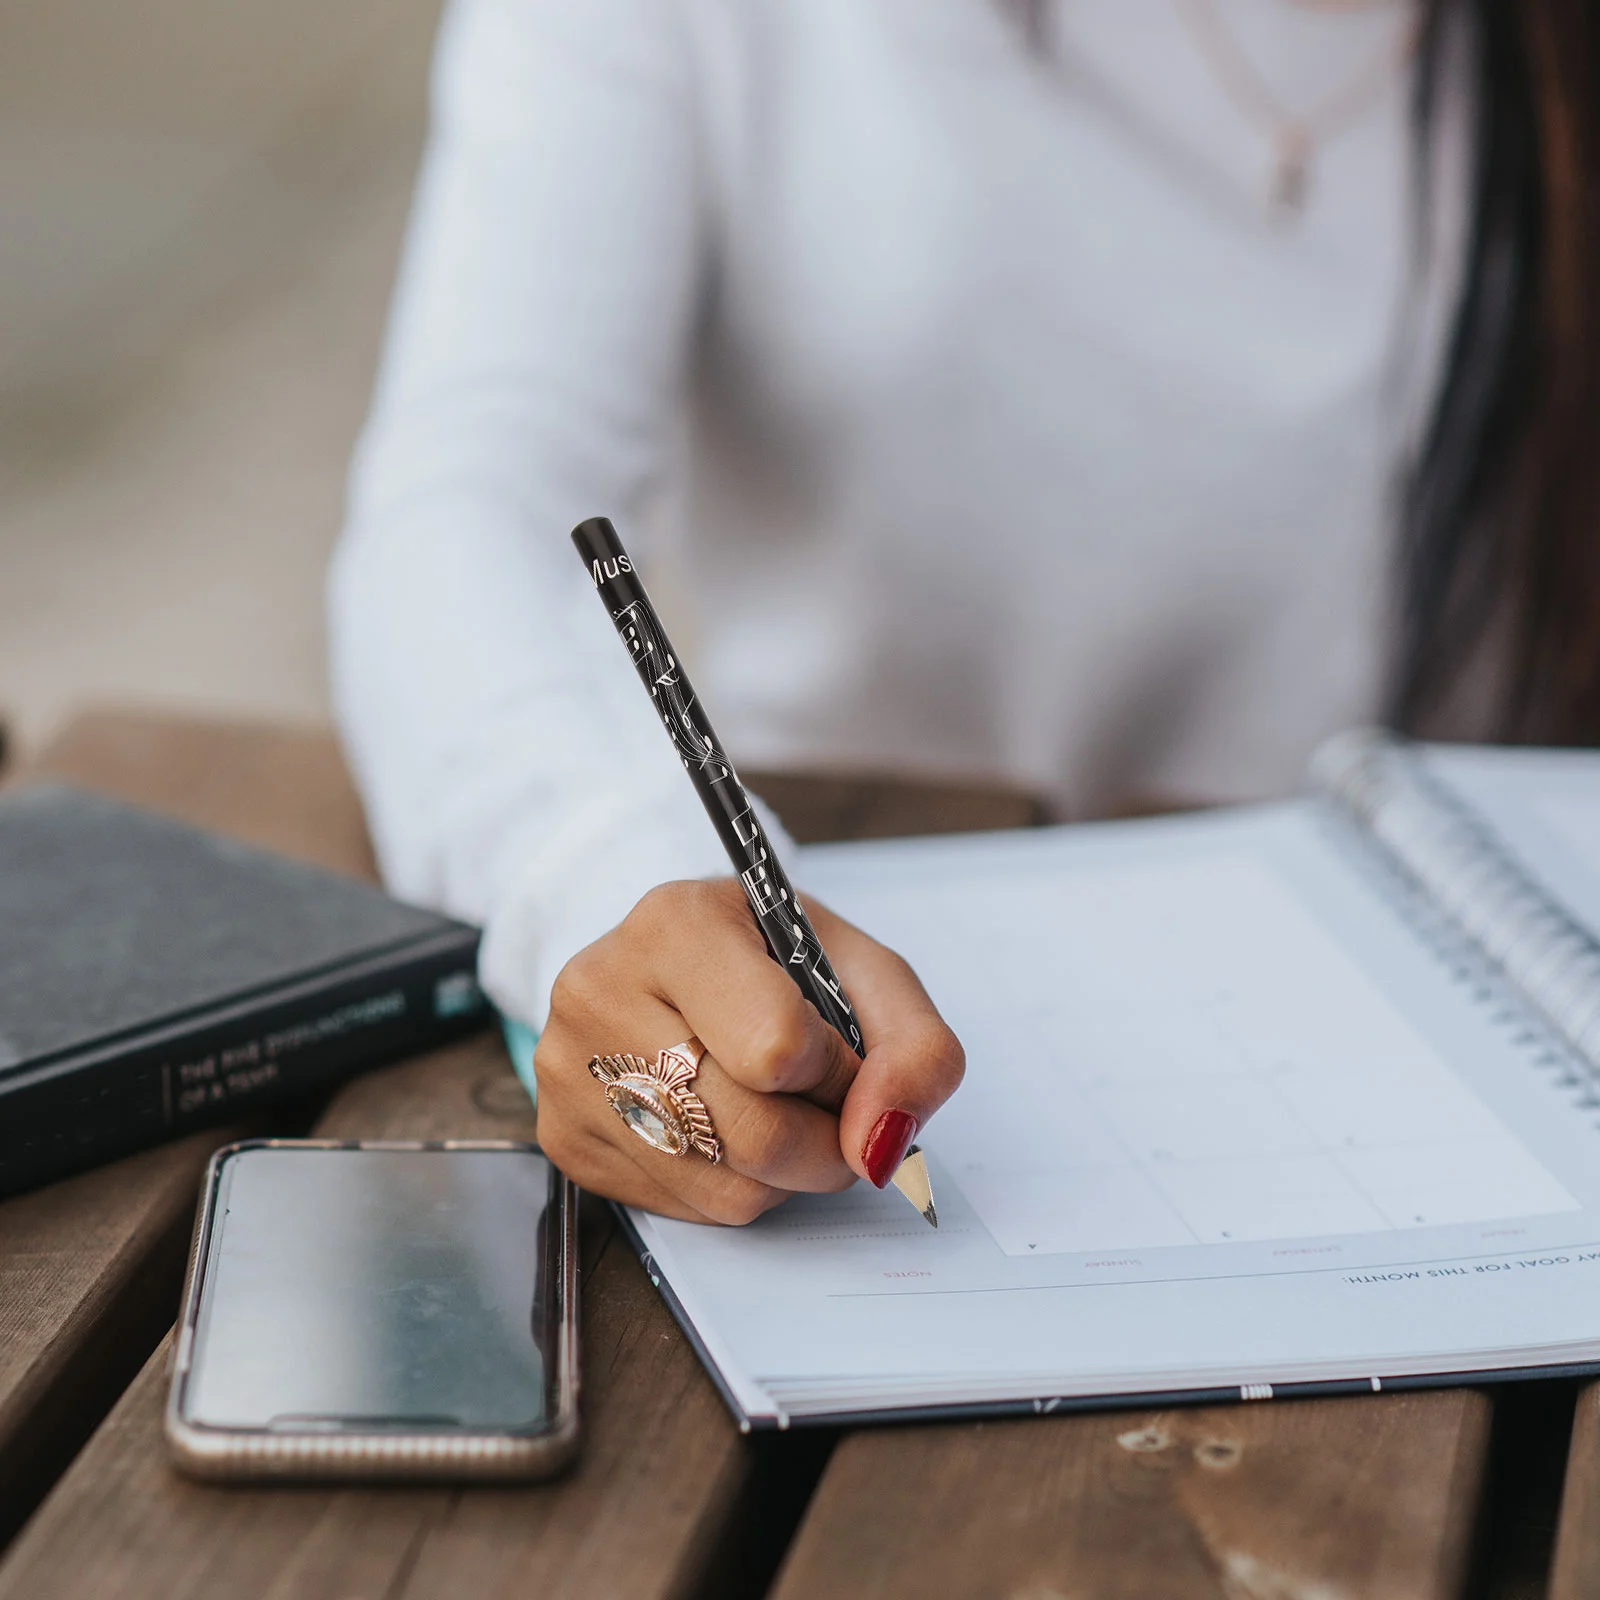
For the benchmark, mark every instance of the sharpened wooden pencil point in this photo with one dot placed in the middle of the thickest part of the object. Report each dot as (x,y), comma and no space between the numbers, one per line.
(911,1179)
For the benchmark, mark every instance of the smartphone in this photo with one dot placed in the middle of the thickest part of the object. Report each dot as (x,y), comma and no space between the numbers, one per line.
(378,1310)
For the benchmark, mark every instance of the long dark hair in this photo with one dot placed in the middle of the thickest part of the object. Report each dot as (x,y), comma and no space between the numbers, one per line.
(1499,526)
(1500,522)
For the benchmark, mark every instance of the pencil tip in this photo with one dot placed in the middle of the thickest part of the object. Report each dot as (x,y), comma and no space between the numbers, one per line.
(911,1179)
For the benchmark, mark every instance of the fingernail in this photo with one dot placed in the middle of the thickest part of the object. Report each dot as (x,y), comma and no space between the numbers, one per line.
(887,1144)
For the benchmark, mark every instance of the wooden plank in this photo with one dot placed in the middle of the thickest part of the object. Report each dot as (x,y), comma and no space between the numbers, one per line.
(1575,1571)
(285,789)
(89,1276)
(90,1268)
(662,1479)
(816,807)
(1295,1500)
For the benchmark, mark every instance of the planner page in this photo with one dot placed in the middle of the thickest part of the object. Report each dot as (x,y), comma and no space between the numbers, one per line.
(1229,1118)
(1545,807)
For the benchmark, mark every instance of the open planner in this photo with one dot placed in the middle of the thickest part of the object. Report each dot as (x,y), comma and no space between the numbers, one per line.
(1296,1098)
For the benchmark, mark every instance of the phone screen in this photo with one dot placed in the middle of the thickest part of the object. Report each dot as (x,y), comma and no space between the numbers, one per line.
(365,1289)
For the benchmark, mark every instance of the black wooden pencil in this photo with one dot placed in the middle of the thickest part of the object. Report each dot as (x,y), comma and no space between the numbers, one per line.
(773,901)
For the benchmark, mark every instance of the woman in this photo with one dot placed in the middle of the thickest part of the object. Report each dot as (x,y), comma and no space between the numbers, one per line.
(999,389)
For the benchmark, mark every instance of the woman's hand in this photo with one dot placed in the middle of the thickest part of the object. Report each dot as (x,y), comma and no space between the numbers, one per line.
(794,1106)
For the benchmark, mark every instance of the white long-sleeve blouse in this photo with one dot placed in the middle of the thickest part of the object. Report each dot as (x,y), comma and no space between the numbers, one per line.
(969,408)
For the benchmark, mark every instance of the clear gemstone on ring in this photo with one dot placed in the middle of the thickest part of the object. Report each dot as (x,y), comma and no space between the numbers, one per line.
(643,1120)
(644,1109)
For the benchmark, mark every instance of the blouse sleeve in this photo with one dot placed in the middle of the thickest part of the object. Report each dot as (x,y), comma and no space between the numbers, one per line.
(512,768)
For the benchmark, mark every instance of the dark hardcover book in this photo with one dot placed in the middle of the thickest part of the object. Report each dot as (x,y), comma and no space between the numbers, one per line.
(154,978)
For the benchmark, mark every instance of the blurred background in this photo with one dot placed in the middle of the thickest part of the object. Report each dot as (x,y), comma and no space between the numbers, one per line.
(201,206)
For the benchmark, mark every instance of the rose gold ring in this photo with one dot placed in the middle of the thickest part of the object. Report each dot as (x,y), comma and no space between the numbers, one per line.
(655,1101)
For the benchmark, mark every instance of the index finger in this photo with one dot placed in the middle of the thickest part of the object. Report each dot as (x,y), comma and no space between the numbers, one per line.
(914,1063)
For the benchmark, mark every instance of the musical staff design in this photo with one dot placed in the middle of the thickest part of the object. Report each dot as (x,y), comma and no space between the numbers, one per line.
(773,902)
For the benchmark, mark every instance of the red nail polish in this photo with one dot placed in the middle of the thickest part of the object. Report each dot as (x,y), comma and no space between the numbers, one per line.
(887,1144)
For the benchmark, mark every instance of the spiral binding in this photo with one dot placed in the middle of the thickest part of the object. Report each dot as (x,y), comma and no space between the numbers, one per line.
(1505,919)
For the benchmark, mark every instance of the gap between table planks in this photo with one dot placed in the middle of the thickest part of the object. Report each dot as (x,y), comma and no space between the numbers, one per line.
(90,1267)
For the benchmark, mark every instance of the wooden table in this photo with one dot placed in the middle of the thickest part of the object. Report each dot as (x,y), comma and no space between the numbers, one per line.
(1407,1495)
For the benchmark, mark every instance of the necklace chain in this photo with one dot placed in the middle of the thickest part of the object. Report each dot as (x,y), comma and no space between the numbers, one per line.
(1295,134)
